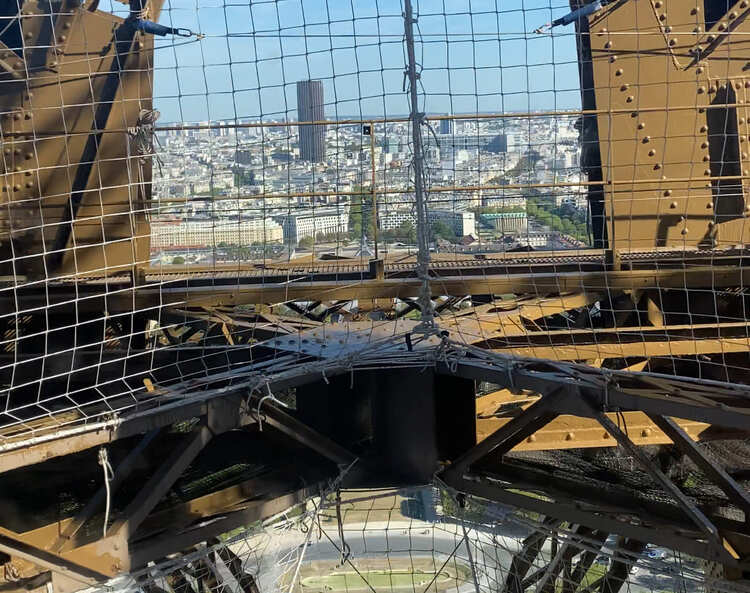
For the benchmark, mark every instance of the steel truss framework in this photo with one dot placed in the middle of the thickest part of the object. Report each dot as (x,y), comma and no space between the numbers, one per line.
(484,471)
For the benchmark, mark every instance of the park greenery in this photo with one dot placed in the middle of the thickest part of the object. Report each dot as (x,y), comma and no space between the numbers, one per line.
(566,218)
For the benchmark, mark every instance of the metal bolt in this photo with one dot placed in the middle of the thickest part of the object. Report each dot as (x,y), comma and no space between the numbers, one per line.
(646,139)
(709,205)
(618,72)
(701,90)
(657,166)
(673,42)
(62,38)
(732,15)
(17,168)
(646,432)
(641,125)
(706,158)
(711,38)
(668,29)
(651,152)
(612,59)
(29,184)
(693,11)
(707,172)
(28,173)
(673,205)
(705,129)
(29,156)
(684,231)
(625,87)
(16,151)
(531,438)
(722,26)
(743,4)
(16,116)
(657,4)
(16,187)
(704,144)
(28,115)
(66,25)
(570,436)
(663,17)
(629,98)
(607,45)
(699,69)
(697,30)
(668,192)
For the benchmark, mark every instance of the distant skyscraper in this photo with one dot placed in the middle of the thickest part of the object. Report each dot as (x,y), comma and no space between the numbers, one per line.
(311,107)
(446,126)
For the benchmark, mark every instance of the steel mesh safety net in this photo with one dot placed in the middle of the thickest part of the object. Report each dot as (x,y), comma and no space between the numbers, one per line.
(209,203)
(416,539)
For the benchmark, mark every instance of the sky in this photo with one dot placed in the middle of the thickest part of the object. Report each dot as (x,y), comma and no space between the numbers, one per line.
(476,56)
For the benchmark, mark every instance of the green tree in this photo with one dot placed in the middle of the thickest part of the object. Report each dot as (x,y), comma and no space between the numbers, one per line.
(361,214)
(440,230)
(178,260)
(306,243)
(407,232)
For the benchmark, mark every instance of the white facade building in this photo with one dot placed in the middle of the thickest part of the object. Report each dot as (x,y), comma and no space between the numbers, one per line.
(211,233)
(310,223)
(392,219)
(460,222)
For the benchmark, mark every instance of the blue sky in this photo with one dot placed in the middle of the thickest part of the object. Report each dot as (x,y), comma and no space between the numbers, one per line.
(477,56)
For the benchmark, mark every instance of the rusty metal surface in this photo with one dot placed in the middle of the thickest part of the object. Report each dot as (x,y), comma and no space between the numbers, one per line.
(75,201)
(674,173)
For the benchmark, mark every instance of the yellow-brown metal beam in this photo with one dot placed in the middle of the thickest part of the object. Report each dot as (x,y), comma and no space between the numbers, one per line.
(572,432)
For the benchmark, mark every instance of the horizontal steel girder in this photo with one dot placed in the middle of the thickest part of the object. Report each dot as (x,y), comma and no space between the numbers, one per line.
(237,291)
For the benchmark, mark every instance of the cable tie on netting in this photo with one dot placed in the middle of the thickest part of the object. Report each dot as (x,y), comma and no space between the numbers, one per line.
(571,17)
(346,551)
(443,351)
(142,135)
(109,475)
(273,398)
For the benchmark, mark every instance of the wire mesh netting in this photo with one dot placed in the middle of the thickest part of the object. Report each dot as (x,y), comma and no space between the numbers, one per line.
(275,166)
(211,194)
(417,539)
